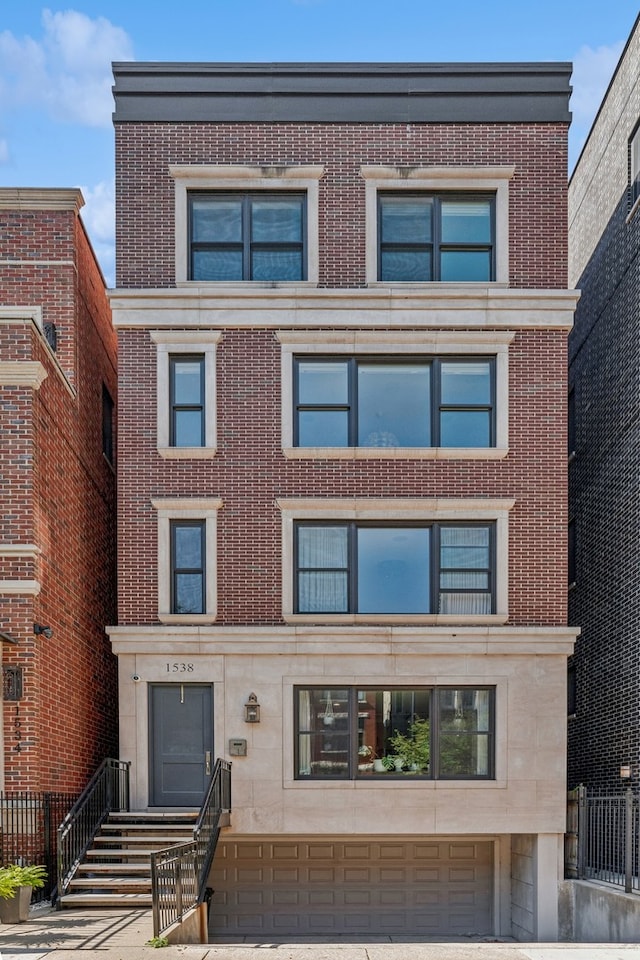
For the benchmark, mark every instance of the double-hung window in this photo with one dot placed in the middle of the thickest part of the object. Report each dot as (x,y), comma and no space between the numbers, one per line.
(247,236)
(187,566)
(394,402)
(389,568)
(441,237)
(186,400)
(442,733)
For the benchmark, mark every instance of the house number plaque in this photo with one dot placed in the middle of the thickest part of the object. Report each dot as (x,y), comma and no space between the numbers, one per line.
(180,667)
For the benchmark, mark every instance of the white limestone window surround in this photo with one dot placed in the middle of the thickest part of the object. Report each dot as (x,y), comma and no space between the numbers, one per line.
(187,509)
(406,510)
(170,343)
(403,344)
(269,177)
(490,179)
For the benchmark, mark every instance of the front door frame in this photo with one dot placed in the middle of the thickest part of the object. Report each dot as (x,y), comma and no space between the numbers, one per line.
(207,739)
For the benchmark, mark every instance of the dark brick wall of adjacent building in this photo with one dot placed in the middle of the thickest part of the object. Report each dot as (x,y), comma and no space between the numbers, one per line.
(604,484)
(58,493)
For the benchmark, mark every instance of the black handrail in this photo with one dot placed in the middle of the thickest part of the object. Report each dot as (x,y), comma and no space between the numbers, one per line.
(179,873)
(107,790)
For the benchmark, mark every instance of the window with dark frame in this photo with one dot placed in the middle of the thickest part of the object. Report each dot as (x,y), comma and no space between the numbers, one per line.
(634,165)
(247,236)
(375,568)
(347,733)
(436,237)
(187,566)
(187,401)
(107,424)
(394,401)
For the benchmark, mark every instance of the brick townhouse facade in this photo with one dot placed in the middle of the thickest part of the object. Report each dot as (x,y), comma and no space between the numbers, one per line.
(57,542)
(342,315)
(604,468)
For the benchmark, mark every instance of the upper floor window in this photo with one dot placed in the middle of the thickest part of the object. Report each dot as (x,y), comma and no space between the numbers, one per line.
(187,566)
(634,148)
(247,236)
(394,402)
(375,568)
(424,237)
(439,733)
(186,400)
(107,424)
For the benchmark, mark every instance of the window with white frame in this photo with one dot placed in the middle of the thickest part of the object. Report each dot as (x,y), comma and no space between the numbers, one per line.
(246,224)
(409,560)
(382,394)
(437,224)
(373,733)
(187,534)
(186,392)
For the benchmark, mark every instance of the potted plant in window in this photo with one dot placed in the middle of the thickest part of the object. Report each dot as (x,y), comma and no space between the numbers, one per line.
(16,886)
(413,747)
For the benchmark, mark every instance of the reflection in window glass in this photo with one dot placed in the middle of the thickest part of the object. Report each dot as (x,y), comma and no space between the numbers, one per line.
(186,390)
(380,733)
(394,405)
(187,566)
(393,570)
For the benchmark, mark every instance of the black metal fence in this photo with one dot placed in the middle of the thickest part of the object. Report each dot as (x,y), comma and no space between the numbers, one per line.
(179,873)
(603,838)
(28,831)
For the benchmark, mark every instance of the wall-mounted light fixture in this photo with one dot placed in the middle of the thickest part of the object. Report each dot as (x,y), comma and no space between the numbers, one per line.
(625,771)
(252,709)
(46,631)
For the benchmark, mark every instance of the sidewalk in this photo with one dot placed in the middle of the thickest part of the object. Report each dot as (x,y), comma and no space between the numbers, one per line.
(122,935)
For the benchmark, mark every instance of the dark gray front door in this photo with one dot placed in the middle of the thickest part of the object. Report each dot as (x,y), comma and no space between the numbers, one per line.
(180,742)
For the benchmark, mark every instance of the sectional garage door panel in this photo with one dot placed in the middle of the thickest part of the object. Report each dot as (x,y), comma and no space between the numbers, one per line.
(305,887)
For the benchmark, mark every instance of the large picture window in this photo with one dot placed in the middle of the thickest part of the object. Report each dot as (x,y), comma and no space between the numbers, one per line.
(383,402)
(375,568)
(433,732)
(442,237)
(247,236)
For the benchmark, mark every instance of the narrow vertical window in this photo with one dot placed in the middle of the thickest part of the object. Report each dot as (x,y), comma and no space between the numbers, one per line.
(107,424)
(465,570)
(186,398)
(187,566)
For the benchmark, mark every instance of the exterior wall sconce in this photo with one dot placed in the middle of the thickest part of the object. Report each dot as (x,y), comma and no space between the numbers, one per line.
(625,771)
(252,709)
(46,631)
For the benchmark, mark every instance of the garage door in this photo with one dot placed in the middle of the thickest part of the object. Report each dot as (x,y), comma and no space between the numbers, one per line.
(310,886)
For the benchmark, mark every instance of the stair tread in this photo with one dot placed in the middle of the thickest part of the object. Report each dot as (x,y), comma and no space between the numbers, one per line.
(108,882)
(106,899)
(183,828)
(167,841)
(133,854)
(147,815)
(133,869)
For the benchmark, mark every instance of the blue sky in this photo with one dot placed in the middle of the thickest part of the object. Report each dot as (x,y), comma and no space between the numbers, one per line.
(55,63)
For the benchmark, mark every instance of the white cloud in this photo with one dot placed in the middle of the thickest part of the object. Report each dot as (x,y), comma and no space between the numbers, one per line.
(67,71)
(98,215)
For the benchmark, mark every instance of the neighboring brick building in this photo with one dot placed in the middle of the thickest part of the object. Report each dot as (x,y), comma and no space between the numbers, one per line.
(342,483)
(57,495)
(604,471)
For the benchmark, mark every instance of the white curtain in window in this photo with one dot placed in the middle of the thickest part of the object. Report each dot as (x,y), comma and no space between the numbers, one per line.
(304,723)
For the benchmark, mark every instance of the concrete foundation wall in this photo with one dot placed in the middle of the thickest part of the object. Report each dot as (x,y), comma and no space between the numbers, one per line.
(595,913)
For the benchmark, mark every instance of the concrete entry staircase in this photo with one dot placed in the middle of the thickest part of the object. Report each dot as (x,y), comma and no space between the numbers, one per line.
(116,871)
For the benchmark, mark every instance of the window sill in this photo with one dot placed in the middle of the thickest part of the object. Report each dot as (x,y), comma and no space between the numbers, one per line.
(394,783)
(186,619)
(187,453)
(397,619)
(395,453)
(231,285)
(437,284)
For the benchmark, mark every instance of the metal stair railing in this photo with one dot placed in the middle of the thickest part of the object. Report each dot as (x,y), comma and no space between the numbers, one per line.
(179,873)
(107,790)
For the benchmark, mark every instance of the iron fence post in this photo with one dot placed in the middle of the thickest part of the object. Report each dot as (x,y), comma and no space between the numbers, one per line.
(628,840)
(582,829)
